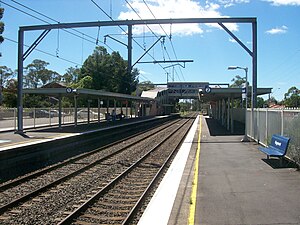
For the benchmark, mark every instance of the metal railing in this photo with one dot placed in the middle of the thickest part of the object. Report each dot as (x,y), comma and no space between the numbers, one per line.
(38,117)
(267,122)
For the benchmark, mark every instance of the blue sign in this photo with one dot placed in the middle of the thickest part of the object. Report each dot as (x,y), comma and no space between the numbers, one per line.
(207,89)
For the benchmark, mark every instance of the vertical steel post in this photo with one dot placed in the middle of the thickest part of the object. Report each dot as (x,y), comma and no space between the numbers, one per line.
(129,46)
(245,138)
(266,138)
(254,78)
(231,116)
(89,110)
(228,113)
(107,110)
(99,111)
(282,124)
(75,110)
(59,111)
(254,65)
(126,109)
(20,81)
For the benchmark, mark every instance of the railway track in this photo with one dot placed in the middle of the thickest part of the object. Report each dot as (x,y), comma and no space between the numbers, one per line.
(67,187)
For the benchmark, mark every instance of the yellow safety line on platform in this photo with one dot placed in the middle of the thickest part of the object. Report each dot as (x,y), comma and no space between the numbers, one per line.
(191,220)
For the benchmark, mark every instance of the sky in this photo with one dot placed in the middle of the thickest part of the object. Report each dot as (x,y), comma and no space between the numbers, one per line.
(208,45)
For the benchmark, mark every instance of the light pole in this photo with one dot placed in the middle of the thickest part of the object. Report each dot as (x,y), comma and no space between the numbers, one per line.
(245,138)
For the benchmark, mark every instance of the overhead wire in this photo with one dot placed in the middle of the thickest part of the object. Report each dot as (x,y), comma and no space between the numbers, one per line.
(124,31)
(44,52)
(151,31)
(283,66)
(169,36)
(56,21)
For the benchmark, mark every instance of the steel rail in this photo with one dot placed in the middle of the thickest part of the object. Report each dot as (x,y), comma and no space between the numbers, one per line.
(72,174)
(141,200)
(15,182)
(76,213)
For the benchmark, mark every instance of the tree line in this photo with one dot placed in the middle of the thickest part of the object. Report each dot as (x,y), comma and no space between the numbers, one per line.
(291,97)
(100,71)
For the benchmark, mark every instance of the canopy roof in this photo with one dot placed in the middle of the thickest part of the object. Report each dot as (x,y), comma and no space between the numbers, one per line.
(216,94)
(86,92)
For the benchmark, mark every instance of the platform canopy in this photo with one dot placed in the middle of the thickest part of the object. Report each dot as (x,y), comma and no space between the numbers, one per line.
(215,94)
(93,94)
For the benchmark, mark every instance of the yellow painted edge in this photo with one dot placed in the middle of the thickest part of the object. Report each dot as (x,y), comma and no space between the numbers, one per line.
(191,219)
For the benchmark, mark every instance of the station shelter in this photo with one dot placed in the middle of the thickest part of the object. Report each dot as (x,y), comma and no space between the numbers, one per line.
(137,105)
(216,98)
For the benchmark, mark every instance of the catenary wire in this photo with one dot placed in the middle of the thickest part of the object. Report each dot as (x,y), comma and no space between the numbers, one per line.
(47,53)
(152,32)
(40,19)
(125,31)
(169,36)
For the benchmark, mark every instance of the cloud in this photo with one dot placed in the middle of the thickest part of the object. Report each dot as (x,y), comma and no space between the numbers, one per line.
(229,3)
(284,2)
(232,40)
(166,9)
(278,30)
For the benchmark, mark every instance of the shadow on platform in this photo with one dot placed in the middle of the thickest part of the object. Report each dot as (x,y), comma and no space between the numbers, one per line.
(275,163)
(216,129)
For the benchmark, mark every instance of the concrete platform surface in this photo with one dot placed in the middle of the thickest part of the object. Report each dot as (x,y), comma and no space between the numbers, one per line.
(236,184)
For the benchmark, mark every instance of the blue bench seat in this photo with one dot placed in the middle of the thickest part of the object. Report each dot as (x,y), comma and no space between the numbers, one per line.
(277,148)
(269,151)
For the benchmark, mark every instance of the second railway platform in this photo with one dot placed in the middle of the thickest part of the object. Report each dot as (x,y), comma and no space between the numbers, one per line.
(224,181)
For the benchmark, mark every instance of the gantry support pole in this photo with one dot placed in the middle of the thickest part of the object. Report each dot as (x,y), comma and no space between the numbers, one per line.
(129,58)
(20,81)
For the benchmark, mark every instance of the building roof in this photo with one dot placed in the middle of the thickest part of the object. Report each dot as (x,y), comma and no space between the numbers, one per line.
(153,93)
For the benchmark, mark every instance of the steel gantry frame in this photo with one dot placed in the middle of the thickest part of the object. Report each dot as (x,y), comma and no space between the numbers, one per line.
(130,24)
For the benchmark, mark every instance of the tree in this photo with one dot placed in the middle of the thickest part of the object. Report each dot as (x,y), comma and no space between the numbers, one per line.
(10,93)
(292,98)
(261,103)
(144,86)
(1,27)
(109,72)
(95,66)
(86,82)
(38,74)
(71,76)
(1,13)
(238,81)
(5,75)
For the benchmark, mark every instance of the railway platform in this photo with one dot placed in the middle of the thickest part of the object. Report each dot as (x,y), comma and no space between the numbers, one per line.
(224,181)
(40,147)
(9,140)
(214,179)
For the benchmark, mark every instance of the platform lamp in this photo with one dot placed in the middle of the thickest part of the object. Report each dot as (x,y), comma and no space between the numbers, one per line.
(245,138)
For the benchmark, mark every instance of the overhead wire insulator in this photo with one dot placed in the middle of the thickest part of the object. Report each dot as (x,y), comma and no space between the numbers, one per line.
(97,40)
(57,48)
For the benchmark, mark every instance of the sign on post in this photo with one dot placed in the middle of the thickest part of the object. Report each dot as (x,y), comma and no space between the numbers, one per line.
(244,94)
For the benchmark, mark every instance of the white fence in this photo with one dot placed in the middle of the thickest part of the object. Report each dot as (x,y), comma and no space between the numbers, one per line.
(263,123)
